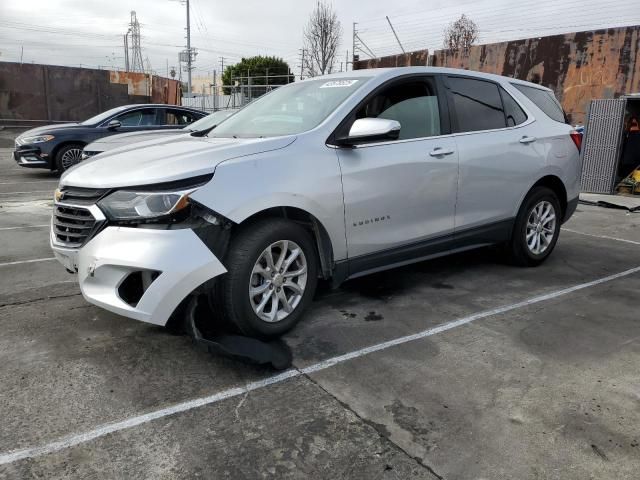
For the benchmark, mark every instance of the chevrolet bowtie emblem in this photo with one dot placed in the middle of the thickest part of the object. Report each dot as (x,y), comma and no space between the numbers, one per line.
(59,195)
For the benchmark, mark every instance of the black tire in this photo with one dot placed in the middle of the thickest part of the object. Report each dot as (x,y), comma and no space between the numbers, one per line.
(518,250)
(61,153)
(231,297)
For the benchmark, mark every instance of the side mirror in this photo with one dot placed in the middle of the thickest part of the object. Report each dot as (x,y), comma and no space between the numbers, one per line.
(113,125)
(366,130)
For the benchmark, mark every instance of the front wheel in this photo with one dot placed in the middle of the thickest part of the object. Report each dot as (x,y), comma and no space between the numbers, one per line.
(272,276)
(68,156)
(536,229)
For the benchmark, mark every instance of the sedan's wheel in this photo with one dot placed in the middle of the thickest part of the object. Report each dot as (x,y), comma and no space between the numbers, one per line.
(68,156)
(271,277)
(536,228)
(278,281)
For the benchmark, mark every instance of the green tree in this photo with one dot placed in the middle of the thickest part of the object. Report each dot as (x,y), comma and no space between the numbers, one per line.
(257,69)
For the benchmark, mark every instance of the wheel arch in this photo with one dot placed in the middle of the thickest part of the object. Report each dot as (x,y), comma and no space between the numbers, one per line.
(554,183)
(320,235)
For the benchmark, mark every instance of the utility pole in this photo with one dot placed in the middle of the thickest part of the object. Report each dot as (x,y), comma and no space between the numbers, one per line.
(126,51)
(346,62)
(302,54)
(395,35)
(21,53)
(189,59)
(353,46)
(222,73)
(214,92)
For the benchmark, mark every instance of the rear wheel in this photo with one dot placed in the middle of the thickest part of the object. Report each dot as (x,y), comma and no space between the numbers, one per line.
(68,156)
(537,228)
(272,276)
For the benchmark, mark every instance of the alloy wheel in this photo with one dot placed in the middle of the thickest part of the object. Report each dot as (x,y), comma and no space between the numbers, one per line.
(71,157)
(541,227)
(278,281)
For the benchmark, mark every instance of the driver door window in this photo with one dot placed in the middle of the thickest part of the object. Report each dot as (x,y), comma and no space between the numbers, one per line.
(413,104)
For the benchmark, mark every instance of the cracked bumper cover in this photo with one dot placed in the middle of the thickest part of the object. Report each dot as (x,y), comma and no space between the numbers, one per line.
(183,260)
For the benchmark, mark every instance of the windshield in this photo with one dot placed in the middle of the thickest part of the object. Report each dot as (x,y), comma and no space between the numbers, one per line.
(209,121)
(289,110)
(104,115)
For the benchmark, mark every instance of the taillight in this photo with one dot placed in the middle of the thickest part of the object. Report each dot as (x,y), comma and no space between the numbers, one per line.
(577,139)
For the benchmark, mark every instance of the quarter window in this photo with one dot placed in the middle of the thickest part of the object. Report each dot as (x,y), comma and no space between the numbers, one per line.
(545,101)
(413,104)
(477,104)
(512,111)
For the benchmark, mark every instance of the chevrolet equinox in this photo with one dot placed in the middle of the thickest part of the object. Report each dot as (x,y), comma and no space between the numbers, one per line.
(329,178)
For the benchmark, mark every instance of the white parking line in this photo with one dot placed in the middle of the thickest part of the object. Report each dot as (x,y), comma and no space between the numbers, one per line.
(32,181)
(79,438)
(602,236)
(23,226)
(35,191)
(35,260)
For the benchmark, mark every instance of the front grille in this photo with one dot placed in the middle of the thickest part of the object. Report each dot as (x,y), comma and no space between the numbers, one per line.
(82,196)
(88,154)
(72,225)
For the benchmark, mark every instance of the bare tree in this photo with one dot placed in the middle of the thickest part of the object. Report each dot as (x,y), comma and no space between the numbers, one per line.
(321,39)
(460,35)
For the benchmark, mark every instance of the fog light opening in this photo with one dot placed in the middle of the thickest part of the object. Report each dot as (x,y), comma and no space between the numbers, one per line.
(135,284)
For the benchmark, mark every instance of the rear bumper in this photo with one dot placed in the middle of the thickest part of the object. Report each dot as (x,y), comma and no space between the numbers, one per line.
(572,205)
(174,263)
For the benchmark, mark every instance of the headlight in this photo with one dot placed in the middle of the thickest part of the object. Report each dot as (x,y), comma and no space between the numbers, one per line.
(37,139)
(130,205)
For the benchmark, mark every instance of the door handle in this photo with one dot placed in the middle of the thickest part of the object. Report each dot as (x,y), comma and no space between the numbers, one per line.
(438,152)
(526,140)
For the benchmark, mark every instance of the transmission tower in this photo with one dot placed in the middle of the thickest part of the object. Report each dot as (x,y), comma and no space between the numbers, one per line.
(136,63)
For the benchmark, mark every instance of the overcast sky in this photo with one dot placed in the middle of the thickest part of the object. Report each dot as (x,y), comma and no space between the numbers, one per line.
(90,32)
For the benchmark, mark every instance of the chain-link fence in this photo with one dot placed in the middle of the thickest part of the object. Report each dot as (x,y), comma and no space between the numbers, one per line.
(238,93)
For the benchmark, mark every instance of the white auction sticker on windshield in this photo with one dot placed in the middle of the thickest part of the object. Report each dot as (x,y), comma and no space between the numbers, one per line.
(339,83)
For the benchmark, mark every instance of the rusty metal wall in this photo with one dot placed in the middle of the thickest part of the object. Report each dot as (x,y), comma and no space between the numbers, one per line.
(419,58)
(54,93)
(579,67)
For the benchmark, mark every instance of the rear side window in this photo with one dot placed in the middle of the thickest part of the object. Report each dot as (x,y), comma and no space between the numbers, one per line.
(477,104)
(545,101)
(513,113)
(179,117)
(413,104)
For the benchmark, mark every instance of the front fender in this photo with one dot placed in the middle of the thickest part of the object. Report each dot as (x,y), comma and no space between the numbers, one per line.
(304,177)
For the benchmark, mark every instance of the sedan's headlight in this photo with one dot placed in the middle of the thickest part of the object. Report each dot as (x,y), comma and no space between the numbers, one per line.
(37,139)
(130,205)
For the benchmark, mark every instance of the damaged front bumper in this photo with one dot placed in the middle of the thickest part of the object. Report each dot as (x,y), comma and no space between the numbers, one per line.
(141,273)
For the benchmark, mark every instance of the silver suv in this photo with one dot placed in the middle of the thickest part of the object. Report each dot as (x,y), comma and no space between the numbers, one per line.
(329,178)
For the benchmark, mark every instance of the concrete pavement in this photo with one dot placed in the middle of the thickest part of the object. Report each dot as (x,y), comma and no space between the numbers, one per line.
(536,390)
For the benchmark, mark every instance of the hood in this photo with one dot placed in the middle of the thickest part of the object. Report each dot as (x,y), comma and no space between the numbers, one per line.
(48,129)
(165,160)
(121,139)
